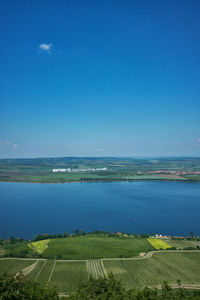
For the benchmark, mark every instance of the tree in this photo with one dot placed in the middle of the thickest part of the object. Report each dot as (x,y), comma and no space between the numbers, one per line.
(76,231)
(12,239)
(17,288)
(178,282)
(101,288)
(191,235)
(82,232)
(66,234)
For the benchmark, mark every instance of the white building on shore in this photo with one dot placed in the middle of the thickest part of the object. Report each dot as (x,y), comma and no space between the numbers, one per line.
(61,170)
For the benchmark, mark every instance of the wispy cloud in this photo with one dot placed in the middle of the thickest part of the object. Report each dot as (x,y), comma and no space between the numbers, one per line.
(45,47)
(15,145)
(100,149)
(7,143)
(198,140)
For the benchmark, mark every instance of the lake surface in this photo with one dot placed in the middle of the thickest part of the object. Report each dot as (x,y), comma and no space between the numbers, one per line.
(27,209)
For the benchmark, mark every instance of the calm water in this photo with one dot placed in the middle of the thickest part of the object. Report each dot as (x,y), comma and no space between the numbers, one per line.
(137,207)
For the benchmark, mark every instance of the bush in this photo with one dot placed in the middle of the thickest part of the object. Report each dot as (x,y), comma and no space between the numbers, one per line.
(111,289)
(18,288)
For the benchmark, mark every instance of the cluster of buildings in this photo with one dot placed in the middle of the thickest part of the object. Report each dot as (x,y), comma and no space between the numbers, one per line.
(175,172)
(68,170)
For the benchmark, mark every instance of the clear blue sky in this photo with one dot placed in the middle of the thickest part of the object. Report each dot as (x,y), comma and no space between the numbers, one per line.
(99,78)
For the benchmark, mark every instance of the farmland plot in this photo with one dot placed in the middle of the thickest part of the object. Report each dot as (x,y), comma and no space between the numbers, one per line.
(96,247)
(36,271)
(67,276)
(154,270)
(14,265)
(181,244)
(159,244)
(39,246)
(95,268)
(46,272)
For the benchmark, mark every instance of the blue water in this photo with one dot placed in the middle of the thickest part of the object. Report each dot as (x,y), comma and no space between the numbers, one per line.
(27,209)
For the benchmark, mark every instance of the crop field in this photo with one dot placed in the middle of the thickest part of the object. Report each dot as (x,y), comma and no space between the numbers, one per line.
(67,276)
(181,244)
(159,244)
(39,246)
(14,265)
(36,271)
(91,247)
(95,268)
(2,251)
(154,270)
(46,272)
(137,272)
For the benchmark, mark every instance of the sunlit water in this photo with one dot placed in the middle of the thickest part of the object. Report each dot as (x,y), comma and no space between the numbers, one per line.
(27,209)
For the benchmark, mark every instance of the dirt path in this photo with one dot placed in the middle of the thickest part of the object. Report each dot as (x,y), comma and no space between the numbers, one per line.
(143,256)
(185,286)
(28,269)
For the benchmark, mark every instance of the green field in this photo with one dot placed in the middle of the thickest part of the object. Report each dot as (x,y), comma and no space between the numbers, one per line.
(154,270)
(89,247)
(67,276)
(182,244)
(95,268)
(2,251)
(46,272)
(14,265)
(149,271)
(36,271)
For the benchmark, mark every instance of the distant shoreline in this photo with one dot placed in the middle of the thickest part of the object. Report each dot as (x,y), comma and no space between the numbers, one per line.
(104,181)
(67,170)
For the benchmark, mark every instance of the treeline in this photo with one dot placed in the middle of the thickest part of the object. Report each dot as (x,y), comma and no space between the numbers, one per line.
(105,288)
(81,232)
(11,241)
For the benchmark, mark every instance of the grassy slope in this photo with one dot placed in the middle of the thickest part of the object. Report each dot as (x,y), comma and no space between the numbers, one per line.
(96,247)
(92,246)
(153,271)
(19,251)
(181,244)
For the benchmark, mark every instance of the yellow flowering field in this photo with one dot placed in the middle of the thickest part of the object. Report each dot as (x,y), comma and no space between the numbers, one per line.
(39,246)
(159,244)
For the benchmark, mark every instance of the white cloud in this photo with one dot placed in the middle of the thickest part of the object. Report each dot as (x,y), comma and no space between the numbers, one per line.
(15,145)
(45,47)
(100,149)
(198,140)
(7,143)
